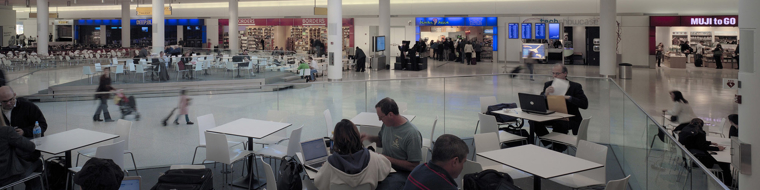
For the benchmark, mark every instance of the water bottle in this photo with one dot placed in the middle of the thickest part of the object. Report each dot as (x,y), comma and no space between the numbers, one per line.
(37,131)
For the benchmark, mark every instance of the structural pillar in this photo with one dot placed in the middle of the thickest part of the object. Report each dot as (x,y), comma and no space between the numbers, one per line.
(233,30)
(42,27)
(125,30)
(385,29)
(335,40)
(158,26)
(749,88)
(608,37)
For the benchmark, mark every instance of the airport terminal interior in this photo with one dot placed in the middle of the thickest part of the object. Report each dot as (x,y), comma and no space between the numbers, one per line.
(633,94)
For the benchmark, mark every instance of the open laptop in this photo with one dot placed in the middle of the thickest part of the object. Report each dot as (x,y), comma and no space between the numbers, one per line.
(532,103)
(314,153)
(130,183)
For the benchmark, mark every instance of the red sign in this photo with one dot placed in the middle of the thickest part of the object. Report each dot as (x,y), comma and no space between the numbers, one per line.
(246,21)
(313,21)
(710,20)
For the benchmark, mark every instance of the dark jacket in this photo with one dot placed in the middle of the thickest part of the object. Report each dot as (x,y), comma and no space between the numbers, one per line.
(24,115)
(577,100)
(359,54)
(429,176)
(15,151)
(685,46)
(104,86)
(143,53)
(695,138)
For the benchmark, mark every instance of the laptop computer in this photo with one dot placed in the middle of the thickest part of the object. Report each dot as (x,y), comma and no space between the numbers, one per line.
(532,103)
(130,183)
(314,153)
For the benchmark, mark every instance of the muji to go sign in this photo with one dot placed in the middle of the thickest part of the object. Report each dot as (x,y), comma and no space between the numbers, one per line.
(709,20)
(732,84)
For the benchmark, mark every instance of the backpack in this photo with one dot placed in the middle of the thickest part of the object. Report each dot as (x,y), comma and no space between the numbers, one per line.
(189,179)
(489,180)
(289,176)
(499,117)
(56,173)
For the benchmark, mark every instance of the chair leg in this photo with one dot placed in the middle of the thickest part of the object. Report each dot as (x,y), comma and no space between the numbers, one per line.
(134,163)
(196,152)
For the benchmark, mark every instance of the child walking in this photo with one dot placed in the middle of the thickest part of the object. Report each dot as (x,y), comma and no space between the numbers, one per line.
(184,102)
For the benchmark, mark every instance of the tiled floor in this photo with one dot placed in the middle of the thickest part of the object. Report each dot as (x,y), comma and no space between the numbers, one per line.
(454,100)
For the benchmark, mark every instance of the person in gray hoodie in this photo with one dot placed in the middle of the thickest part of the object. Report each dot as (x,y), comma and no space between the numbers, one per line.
(351,164)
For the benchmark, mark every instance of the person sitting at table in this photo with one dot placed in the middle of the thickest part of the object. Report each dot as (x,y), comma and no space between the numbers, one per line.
(21,113)
(313,66)
(734,130)
(681,110)
(694,139)
(575,99)
(351,164)
(303,66)
(449,155)
(401,142)
(18,157)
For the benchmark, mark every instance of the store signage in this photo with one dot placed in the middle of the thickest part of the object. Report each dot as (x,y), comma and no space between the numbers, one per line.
(709,20)
(143,22)
(246,21)
(456,21)
(572,21)
(63,22)
(143,11)
(50,15)
(314,21)
(730,84)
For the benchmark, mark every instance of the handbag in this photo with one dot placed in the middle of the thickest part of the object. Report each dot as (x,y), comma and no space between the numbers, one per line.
(674,118)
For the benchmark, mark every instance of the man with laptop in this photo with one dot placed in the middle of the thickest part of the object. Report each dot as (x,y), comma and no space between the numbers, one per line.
(574,99)
(401,143)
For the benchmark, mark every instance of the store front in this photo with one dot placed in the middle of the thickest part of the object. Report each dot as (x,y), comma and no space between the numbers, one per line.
(63,30)
(292,34)
(672,31)
(481,29)
(108,32)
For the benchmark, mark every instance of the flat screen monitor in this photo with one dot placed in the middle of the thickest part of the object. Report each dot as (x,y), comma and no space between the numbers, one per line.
(526,31)
(554,31)
(514,31)
(539,51)
(380,43)
(144,29)
(540,31)
(97,28)
(197,28)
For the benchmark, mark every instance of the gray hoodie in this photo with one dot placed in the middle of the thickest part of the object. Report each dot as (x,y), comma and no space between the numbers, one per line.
(350,163)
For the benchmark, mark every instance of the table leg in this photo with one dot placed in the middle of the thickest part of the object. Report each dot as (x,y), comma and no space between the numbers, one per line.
(238,75)
(536,183)
(67,165)
(532,133)
(242,182)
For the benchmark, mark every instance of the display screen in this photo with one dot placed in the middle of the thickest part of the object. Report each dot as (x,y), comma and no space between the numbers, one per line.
(554,31)
(514,31)
(197,28)
(540,31)
(526,31)
(539,51)
(97,28)
(144,29)
(380,43)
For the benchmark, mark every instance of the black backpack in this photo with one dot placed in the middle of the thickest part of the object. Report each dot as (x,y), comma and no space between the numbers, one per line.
(289,175)
(188,179)
(499,117)
(489,180)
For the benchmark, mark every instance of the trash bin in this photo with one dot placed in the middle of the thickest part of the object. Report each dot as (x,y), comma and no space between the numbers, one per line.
(625,70)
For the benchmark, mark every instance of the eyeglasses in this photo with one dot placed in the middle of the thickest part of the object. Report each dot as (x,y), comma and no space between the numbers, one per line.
(9,100)
(556,73)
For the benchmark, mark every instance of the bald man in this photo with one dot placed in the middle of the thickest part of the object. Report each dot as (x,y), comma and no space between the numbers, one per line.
(20,112)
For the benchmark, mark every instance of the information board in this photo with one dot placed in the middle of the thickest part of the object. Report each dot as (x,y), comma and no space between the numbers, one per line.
(540,31)
(514,31)
(526,31)
(554,31)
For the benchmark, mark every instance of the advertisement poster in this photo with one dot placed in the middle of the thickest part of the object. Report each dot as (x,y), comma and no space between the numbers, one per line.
(554,31)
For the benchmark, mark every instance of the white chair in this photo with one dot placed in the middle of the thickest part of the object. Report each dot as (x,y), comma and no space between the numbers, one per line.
(347,187)
(468,168)
(720,129)
(139,70)
(113,151)
(304,73)
(249,68)
(569,140)
(86,71)
(206,122)
(279,136)
(592,152)
(119,70)
(620,184)
(114,61)
(279,151)
(485,142)
(271,181)
(179,72)
(123,129)
(198,67)
(98,68)
(328,122)
(231,68)
(429,142)
(218,151)
(488,124)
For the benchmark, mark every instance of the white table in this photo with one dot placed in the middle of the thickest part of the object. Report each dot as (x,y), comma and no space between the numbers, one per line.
(725,155)
(65,142)
(370,119)
(542,163)
(253,129)
(518,113)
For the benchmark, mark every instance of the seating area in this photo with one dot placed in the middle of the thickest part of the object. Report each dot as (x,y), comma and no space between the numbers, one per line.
(22,59)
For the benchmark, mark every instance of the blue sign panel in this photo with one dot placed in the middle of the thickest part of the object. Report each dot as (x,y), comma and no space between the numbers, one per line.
(514,31)
(456,21)
(554,31)
(143,22)
(526,30)
(495,42)
(540,31)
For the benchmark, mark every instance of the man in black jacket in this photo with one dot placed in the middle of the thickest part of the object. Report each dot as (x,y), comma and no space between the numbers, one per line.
(361,58)
(22,150)
(574,99)
(21,113)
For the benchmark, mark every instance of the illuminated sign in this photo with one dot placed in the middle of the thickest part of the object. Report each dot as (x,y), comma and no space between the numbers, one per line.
(143,22)
(514,31)
(314,21)
(709,20)
(456,21)
(149,11)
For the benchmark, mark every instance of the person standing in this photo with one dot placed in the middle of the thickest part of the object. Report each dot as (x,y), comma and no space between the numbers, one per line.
(699,54)
(736,53)
(50,37)
(404,48)
(262,44)
(433,46)
(686,49)
(718,56)
(659,55)
(184,102)
(468,50)
(104,86)
(361,59)
(478,46)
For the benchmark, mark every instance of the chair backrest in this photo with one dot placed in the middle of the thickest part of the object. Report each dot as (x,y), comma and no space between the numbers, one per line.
(230,65)
(199,65)
(119,69)
(123,128)
(485,142)
(98,68)
(365,186)
(583,130)
(86,70)
(468,168)
(271,181)
(131,66)
(488,123)
(328,122)
(595,153)
(486,101)
(424,151)
(216,148)
(620,184)
(294,142)
(114,61)
(205,122)
(432,132)
(113,151)
(139,69)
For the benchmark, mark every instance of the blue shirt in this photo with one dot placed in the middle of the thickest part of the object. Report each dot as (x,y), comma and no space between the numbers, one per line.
(429,176)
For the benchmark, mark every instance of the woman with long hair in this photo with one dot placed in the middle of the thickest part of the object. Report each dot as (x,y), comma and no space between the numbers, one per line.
(351,163)
(681,110)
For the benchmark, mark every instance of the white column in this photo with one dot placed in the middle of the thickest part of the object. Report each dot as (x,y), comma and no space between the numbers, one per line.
(125,30)
(42,27)
(608,37)
(335,39)
(234,42)
(103,38)
(180,33)
(158,26)
(385,29)
(750,88)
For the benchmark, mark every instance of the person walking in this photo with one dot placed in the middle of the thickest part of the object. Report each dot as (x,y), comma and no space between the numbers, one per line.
(468,50)
(103,86)
(184,102)
(718,56)
(530,62)
(659,55)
